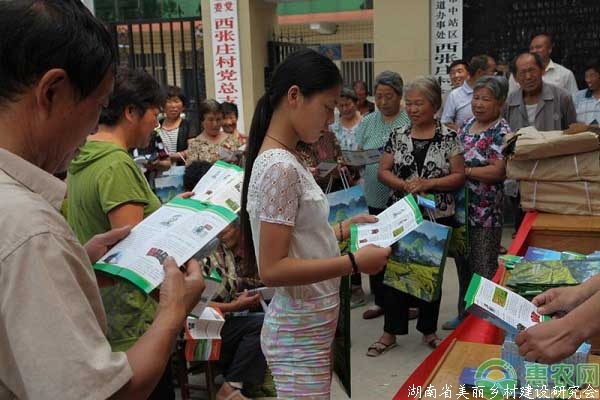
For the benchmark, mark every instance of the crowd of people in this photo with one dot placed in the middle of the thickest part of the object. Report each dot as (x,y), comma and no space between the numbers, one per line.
(64,107)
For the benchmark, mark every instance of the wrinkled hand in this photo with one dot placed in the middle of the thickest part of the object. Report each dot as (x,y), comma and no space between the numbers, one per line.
(180,290)
(418,185)
(559,301)
(98,245)
(185,195)
(230,236)
(549,342)
(247,301)
(372,259)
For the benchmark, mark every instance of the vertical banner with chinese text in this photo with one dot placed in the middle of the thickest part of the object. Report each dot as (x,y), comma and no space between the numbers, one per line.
(226,54)
(446,38)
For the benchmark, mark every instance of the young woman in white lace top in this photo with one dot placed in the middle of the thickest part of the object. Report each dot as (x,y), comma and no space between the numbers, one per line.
(284,218)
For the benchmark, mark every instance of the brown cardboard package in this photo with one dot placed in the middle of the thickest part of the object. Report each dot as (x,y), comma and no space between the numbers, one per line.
(577,198)
(534,145)
(575,167)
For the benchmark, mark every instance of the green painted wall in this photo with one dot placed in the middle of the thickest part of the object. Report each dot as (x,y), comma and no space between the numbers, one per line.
(322,6)
(120,10)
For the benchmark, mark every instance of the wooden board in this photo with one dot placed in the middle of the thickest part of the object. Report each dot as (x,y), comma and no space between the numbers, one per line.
(565,232)
(462,355)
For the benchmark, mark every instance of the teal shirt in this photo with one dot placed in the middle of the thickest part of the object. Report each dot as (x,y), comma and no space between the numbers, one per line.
(102,177)
(373,133)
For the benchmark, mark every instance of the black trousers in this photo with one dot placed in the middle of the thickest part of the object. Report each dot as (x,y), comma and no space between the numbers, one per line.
(484,245)
(395,312)
(241,358)
(376,281)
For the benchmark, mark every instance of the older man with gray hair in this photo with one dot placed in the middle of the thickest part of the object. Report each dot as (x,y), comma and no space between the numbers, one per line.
(57,74)
(372,133)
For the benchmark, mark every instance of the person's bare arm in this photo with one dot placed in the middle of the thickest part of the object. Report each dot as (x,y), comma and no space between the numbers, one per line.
(129,214)
(386,176)
(495,172)
(554,340)
(454,180)
(278,269)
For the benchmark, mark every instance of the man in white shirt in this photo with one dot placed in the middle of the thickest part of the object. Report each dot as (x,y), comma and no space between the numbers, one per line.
(587,101)
(457,109)
(554,73)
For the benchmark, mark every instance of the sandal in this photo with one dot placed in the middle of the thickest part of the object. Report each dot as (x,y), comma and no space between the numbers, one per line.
(433,341)
(236,394)
(378,348)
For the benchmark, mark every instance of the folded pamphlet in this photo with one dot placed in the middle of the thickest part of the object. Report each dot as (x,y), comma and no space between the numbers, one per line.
(203,335)
(393,223)
(501,307)
(325,168)
(180,228)
(359,158)
(221,186)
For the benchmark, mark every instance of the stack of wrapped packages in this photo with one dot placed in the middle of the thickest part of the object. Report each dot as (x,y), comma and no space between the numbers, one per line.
(558,171)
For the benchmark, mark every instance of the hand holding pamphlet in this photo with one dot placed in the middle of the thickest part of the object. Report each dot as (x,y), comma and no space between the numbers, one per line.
(180,228)
(394,223)
(501,307)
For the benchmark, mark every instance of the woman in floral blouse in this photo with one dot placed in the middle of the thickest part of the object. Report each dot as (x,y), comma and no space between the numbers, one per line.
(421,157)
(212,144)
(482,138)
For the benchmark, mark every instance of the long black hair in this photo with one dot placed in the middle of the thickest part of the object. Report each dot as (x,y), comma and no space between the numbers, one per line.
(312,73)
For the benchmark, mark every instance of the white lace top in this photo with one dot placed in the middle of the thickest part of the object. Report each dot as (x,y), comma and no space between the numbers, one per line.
(283,191)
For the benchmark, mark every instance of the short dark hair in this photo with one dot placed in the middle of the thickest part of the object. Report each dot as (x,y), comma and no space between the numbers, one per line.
(459,62)
(193,173)
(594,64)
(209,106)
(477,63)
(538,60)
(229,108)
(176,91)
(38,35)
(135,88)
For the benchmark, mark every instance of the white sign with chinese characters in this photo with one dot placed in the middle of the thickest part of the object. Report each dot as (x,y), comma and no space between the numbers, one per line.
(226,54)
(446,38)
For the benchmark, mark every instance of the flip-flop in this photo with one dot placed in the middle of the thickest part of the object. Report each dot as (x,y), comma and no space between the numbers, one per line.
(378,348)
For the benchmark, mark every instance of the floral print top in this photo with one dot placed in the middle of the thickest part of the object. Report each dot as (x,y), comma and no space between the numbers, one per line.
(436,163)
(201,149)
(486,201)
